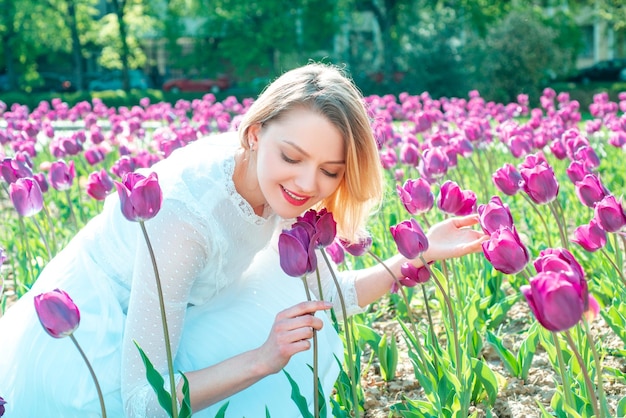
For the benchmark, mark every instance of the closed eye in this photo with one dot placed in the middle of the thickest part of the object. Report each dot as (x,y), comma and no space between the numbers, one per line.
(331,175)
(287,159)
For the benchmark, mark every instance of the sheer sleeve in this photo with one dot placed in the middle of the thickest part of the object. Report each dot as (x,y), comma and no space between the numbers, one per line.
(346,281)
(181,255)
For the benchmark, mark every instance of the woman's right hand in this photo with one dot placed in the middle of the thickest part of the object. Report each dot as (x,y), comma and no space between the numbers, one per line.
(291,333)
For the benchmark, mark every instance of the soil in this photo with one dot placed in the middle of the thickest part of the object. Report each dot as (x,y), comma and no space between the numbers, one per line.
(518,398)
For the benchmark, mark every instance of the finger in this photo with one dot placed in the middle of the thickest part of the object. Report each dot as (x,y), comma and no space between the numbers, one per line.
(304,308)
(463,221)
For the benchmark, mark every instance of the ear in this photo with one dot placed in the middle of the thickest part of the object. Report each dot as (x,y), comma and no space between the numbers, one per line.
(253,135)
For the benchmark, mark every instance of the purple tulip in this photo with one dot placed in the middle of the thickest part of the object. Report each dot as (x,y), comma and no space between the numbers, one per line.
(450,198)
(533,160)
(26,196)
(540,183)
(323,224)
(416,196)
(296,247)
(505,251)
(57,313)
(2,403)
(609,214)
(140,196)
(590,190)
(99,184)
(591,237)
(410,238)
(559,259)
(61,175)
(507,179)
(13,169)
(409,154)
(40,178)
(336,252)
(94,155)
(587,156)
(494,214)
(468,205)
(557,301)
(576,171)
(413,275)
(358,248)
(434,162)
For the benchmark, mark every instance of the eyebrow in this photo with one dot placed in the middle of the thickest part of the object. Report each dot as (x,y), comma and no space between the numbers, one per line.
(306,154)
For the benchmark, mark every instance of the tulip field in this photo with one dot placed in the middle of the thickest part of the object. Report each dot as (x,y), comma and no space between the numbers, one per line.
(541,311)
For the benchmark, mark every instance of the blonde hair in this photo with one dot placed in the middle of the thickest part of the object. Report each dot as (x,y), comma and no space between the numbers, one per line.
(325,89)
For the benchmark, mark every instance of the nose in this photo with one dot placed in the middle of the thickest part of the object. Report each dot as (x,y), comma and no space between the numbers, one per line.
(306,180)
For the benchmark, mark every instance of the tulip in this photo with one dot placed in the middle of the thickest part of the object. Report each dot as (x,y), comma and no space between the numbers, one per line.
(99,184)
(494,214)
(505,251)
(357,248)
(2,403)
(57,313)
(13,169)
(591,236)
(140,196)
(323,224)
(336,252)
(576,171)
(409,237)
(26,196)
(61,175)
(450,198)
(609,214)
(40,178)
(416,196)
(540,183)
(507,179)
(435,162)
(533,160)
(409,154)
(468,205)
(559,259)
(413,275)
(557,302)
(587,156)
(94,155)
(590,190)
(296,247)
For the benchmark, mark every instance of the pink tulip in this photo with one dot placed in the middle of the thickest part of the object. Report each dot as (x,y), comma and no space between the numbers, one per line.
(57,313)
(557,302)
(13,169)
(61,175)
(409,237)
(494,214)
(323,224)
(416,196)
(413,275)
(540,183)
(505,251)
(450,198)
(357,248)
(609,214)
(99,184)
(591,237)
(590,190)
(140,196)
(507,179)
(26,196)
(576,171)
(559,259)
(336,252)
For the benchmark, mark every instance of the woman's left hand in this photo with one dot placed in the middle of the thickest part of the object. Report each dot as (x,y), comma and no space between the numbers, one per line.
(454,237)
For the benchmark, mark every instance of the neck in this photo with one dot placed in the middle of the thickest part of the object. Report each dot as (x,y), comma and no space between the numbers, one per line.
(246,182)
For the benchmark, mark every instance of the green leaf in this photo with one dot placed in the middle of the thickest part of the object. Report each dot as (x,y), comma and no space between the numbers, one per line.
(388,356)
(616,321)
(487,378)
(507,357)
(297,397)
(369,335)
(185,408)
(527,350)
(157,382)
(621,408)
(222,411)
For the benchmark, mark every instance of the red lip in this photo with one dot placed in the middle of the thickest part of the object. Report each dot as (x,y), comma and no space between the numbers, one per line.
(291,200)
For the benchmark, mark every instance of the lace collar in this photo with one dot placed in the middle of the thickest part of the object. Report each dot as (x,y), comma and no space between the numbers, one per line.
(246,211)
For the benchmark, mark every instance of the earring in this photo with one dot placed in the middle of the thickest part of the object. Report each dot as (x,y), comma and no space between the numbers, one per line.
(251,146)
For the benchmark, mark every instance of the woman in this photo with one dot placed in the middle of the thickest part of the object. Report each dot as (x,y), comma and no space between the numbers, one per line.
(235,320)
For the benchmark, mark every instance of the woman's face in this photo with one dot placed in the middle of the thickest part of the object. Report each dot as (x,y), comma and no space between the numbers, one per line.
(300,161)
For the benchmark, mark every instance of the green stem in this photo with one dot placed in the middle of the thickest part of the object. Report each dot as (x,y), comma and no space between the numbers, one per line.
(69,205)
(455,332)
(51,225)
(316,394)
(43,237)
(567,389)
(543,221)
(615,266)
(433,336)
(481,179)
(557,218)
(166,333)
(599,371)
(348,333)
(93,375)
(583,367)
(29,256)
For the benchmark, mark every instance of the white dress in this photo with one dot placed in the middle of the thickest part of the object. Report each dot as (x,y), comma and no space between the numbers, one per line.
(222,284)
